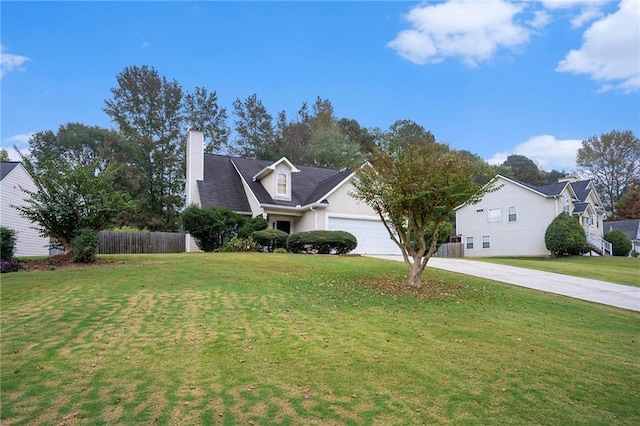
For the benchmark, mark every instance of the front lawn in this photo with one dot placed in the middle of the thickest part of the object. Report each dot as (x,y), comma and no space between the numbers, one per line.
(298,339)
(614,269)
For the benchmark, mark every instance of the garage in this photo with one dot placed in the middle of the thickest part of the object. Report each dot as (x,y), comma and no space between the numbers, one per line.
(371,234)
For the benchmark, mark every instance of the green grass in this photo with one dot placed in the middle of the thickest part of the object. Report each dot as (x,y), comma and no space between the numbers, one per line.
(619,270)
(293,339)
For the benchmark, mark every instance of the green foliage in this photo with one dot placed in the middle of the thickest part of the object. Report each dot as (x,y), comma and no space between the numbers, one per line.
(280,250)
(620,243)
(270,239)
(612,160)
(202,112)
(131,229)
(565,236)
(321,242)
(252,225)
(7,243)
(70,197)
(237,244)
(4,155)
(523,169)
(414,185)
(210,226)
(85,245)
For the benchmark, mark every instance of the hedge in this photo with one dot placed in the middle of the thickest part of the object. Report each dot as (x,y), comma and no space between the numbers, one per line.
(322,242)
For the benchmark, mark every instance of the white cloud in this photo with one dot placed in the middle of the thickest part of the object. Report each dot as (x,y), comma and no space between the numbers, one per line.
(547,151)
(20,141)
(474,31)
(610,52)
(585,10)
(10,62)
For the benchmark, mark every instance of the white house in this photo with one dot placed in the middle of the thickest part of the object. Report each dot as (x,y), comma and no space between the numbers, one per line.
(630,228)
(512,221)
(291,198)
(13,177)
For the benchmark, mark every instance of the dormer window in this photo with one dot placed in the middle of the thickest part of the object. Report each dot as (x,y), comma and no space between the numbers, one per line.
(282,184)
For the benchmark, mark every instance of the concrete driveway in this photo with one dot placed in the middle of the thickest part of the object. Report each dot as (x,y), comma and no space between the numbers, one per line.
(621,296)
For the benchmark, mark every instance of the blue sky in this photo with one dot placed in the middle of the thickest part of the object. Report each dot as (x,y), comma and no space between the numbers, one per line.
(494,77)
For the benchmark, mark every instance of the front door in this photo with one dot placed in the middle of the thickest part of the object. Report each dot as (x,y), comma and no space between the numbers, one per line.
(283,225)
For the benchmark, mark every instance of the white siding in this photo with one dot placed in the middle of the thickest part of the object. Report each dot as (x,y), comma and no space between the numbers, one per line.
(195,172)
(29,241)
(524,237)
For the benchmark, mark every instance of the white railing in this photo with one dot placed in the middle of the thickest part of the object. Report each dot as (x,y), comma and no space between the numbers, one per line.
(600,243)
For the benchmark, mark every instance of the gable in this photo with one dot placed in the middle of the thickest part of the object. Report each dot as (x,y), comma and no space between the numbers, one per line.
(7,167)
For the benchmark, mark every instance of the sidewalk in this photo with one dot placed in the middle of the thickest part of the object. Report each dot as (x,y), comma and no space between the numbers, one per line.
(621,296)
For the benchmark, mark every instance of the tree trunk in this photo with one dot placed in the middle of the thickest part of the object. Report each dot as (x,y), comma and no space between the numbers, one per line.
(415,275)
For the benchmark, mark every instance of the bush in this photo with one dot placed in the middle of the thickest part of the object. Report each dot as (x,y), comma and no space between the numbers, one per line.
(280,250)
(252,225)
(270,239)
(322,242)
(210,226)
(620,243)
(240,244)
(84,246)
(7,243)
(9,266)
(565,236)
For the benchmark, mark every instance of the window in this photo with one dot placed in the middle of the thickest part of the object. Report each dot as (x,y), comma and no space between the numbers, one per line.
(565,204)
(282,184)
(469,243)
(495,215)
(513,214)
(486,241)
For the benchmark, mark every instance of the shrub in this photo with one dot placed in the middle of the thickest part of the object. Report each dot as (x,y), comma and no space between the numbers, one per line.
(252,225)
(9,266)
(210,226)
(270,239)
(322,242)
(280,250)
(565,236)
(620,243)
(240,244)
(85,245)
(7,243)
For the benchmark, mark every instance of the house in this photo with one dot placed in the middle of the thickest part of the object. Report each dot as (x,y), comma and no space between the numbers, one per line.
(630,228)
(291,198)
(14,177)
(512,220)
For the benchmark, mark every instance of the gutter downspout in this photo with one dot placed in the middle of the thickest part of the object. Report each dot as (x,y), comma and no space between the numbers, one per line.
(316,216)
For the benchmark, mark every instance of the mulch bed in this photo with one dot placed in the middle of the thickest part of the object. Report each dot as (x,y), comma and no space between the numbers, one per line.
(60,261)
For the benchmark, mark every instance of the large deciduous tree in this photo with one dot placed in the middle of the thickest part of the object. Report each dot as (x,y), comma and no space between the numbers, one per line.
(256,136)
(148,110)
(414,185)
(613,161)
(628,207)
(523,169)
(71,196)
(202,111)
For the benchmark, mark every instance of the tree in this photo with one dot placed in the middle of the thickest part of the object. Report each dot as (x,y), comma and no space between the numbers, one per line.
(404,134)
(202,111)
(628,207)
(613,161)
(523,169)
(620,243)
(70,196)
(148,110)
(330,148)
(4,155)
(256,137)
(361,136)
(565,236)
(413,186)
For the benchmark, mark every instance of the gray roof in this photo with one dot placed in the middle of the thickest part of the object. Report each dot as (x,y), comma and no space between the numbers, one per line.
(580,207)
(630,227)
(222,184)
(581,189)
(6,167)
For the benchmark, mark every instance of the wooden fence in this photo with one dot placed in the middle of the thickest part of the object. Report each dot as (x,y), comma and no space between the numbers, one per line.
(115,242)
(450,250)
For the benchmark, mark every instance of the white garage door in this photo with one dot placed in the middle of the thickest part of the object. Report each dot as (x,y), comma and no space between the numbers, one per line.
(372,236)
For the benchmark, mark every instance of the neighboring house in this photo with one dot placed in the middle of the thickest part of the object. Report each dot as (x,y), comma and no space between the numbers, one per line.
(512,221)
(630,228)
(291,198)
(13,177)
